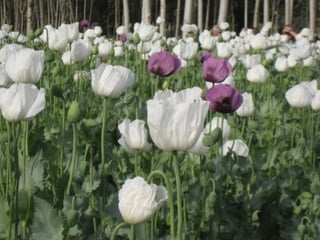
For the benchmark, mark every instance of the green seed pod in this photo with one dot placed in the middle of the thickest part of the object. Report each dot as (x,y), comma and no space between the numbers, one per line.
(38,32)
(213,137)
(90,122)
(73,114)
(165,85)
(94,50)
(301,229)
(136,38)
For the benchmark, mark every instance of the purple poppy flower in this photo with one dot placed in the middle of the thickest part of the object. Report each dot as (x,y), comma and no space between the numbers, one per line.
(123,37)
(163,64)
(205,56)
(224,98)
(216,70)
(84,23)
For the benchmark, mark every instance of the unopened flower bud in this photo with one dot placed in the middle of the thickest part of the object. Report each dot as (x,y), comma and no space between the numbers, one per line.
(38,32)
(73,114)
(213,137)
(136,38)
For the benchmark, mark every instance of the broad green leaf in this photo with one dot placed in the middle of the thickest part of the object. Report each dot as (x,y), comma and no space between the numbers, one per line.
(47,223)
(4,219)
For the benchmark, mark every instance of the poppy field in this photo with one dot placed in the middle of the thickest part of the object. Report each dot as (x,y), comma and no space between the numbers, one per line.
(144,136)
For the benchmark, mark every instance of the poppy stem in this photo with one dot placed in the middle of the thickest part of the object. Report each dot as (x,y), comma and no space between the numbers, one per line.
(115,231)
(74,157)
(179,196)
(170,197)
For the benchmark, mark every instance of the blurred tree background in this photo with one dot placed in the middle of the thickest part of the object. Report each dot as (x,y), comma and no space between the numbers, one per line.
(25,14)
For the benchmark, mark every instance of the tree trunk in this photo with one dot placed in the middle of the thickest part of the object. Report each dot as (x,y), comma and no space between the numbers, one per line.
(90,10)
(266,11)
(187,17)
(178,18)
(163,17)
(126,17)
(146,12)
(245,14)
(313,15)
(256,14)
(288,11)
(207,15)
(29,15)
(200,15)
(223,9)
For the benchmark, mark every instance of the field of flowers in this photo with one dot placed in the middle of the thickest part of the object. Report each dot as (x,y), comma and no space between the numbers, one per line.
(143,136)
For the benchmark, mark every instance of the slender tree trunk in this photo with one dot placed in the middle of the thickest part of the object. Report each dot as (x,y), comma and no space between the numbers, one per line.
(72,19)
(288,11)
(207,15)
(200,15)
(77,6)
(266,11)
(178,18)
(29,15)
(256,14)
(90,10)
(85,9)
(313,15)
(187,17)
(245,14)
(223,9)
(146,12)
(116,13)
(126,17)
(163,17)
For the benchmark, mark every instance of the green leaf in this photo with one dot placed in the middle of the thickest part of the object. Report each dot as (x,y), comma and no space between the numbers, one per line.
(4,219)
(47,223)
(89,186)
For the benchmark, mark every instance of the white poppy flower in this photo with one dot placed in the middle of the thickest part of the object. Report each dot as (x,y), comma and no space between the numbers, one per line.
(236,146)
(176,119)
(25,65)
(21,101)
(138,200)
(257,73)
(111,81)
(247,106)
(133,135)
(302,94)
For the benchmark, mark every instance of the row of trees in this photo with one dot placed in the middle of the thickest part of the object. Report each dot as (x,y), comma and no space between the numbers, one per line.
(31,14)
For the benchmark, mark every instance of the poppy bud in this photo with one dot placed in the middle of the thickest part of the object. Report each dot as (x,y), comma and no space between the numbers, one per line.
(213,137)
(38,32)
(73,114)
(136,38)
(94,50)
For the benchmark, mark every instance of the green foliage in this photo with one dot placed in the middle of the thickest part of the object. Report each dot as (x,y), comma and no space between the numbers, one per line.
(47,223)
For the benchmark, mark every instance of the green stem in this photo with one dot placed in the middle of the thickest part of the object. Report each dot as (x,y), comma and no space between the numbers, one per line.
(25,150)
(170,198)
(103,133)
(179,196)
(63,122)
(132,232)
(17,178)
(74,157)
(115,231)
